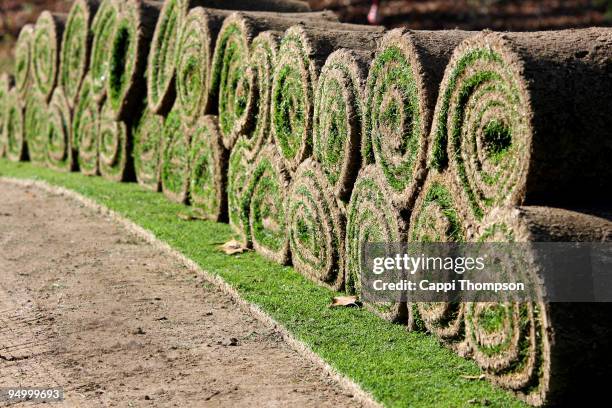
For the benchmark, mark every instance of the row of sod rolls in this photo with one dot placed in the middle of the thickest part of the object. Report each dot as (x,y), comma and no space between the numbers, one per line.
(313,138)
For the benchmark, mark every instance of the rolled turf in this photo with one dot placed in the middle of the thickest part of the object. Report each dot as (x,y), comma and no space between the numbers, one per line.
(232,81)
(239,170)
(208,161)
(437,217)
(548,353)
(76,47)
(176,142)
(46,47)
(372,218)
(517,123)
(85,128)
(36,127)
(60,153)
(129,48)
(316,227)
(6,83)
(103,28)
(301,56)
(164,49)
(401,93)
(339,116)
(266,200)
(147,135)
(23,61)
(114,147)
(16,149)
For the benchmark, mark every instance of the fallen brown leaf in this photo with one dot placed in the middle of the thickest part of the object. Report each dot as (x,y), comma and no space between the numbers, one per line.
(473,377)
(233,247)
(345,301)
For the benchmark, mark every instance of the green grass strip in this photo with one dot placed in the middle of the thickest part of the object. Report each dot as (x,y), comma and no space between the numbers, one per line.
(399,368)
(36,126)
(23,60)
(147,136)
(60,153)
(76,47)
(16,149)
(103,29)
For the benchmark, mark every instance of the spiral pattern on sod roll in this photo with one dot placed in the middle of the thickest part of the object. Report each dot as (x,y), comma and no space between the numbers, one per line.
(239,170)
(6,83)
(76,47)
(46,48)
(481,129)
(208,161)
(371,218)
(24,76)
(114,147)
(103,29)
(176,142)
(16,149)
(267,201)
(147,135)
(85,128)
(61,155)
(36,128)
(316,227)
(338,118)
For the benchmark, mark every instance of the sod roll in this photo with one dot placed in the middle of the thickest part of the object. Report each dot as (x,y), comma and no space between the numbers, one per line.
(6,83)
(208,161)
(437,217)
(372,218)
(239,170)
(76,47)
(316,227)
(103,29)
(23,61)
(338,118)
(61,154)
(194,59)
(402,88)
(164,49)
(114,147)
(129,48)
(518,118)
(176,142)
(548,353)
(301,56)
(266,196)
(232,79)
(147,135)
(16,149)
(46,47)
(36,128)
(85,128)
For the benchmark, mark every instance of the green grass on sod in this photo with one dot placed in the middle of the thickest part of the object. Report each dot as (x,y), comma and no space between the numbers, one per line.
(397,367)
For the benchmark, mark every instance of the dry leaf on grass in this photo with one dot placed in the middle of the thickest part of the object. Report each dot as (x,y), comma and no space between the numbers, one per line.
(345,301)
(233,247)
(473,377)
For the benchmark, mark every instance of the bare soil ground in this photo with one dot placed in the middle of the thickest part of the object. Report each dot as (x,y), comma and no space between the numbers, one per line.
(88,307)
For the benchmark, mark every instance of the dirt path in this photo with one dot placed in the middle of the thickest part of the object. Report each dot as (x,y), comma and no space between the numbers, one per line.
(88,307)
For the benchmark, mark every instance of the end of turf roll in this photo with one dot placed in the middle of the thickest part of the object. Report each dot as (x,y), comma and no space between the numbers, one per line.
(61,154)
(509,112)
(16,148)
(176,142)
(76,47)
(208,161)
(338,118)
(6,83)
(402,87)
(147,136)
(316,227)
(114,147)
(372,218)
(129,48)
(23,61)
(85,129)
(239,170)
(46,48)
(36,128)
(103,29)
(266,196)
